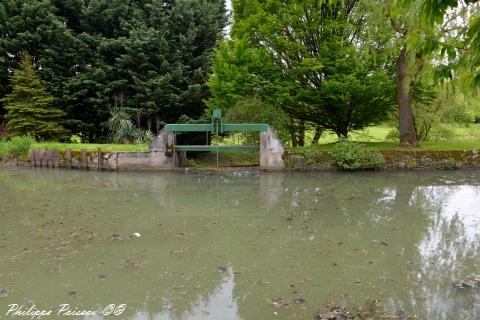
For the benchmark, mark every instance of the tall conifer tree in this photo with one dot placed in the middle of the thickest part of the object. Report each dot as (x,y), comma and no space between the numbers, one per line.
(30,107)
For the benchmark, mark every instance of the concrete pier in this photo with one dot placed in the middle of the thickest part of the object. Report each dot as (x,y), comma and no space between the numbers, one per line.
(271,151)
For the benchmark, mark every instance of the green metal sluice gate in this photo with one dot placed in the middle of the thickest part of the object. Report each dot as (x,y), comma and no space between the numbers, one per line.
(216,128)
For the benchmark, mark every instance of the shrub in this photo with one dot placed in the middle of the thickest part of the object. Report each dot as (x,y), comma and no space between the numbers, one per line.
(348,155)
(393,135)
(255,110)
(441,133)
(309,158)
(3,148)
(123,130)
(143,136)
(18,147)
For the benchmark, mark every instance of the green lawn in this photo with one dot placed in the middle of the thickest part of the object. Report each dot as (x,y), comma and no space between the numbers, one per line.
(91,146)
(379,134)
(370,134)
(374,138)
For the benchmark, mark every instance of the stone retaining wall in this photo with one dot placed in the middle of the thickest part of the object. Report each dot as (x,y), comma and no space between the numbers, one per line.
(167,160)
(395,160)
(98,160)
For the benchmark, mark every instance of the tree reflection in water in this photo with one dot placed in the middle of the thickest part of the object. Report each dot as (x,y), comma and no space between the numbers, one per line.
(449,252)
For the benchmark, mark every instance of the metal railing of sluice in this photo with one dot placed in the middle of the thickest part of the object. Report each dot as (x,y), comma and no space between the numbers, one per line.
(216,127)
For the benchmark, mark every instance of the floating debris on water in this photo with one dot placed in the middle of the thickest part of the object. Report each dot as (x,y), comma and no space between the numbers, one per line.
(299,301)
(3,292)
(280,303)
(222,269)
(372,310)
(283,303)
(470,282)
(101,276)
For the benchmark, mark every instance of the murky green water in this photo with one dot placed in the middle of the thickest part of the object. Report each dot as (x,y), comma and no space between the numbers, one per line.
(220,246)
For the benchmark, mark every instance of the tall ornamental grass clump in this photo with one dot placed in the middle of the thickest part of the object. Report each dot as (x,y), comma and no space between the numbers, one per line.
(348,155)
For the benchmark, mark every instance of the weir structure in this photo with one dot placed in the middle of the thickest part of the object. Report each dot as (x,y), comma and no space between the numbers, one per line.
(271,148)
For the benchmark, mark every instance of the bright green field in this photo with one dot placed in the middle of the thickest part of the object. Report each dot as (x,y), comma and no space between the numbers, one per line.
(461,133)
(375,138)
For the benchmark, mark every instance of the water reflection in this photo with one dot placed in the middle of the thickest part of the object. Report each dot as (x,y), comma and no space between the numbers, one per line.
(219,305)
(401,238)
(449,252)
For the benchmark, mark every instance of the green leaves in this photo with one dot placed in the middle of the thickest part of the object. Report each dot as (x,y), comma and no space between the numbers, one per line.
(348,155)
(154,53)
(316,61)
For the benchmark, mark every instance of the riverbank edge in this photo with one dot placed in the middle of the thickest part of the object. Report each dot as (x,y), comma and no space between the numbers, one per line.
(400,160)
(395,160)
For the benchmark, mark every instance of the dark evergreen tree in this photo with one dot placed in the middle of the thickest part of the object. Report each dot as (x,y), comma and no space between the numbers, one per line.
(156,56)
(33,26)
(30,107)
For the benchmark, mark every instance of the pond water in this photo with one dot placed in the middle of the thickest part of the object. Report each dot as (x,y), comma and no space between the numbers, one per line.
(239,245)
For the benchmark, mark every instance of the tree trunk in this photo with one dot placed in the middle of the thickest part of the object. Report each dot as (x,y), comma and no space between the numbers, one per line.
(293,133)
(341,132)
(408,135)
(301,134)
(297,132)
(318,134)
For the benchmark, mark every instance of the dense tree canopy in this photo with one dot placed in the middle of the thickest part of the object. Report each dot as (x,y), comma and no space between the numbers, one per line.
(336,65)
(155,54)
(316,61)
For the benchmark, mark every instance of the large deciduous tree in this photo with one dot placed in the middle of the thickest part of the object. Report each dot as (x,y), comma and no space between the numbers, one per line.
(441,45)
(408,68)
(316,60)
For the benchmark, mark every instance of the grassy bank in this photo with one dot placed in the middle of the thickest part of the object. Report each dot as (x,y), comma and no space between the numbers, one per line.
(379,146)
(6,147)
(91,147)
